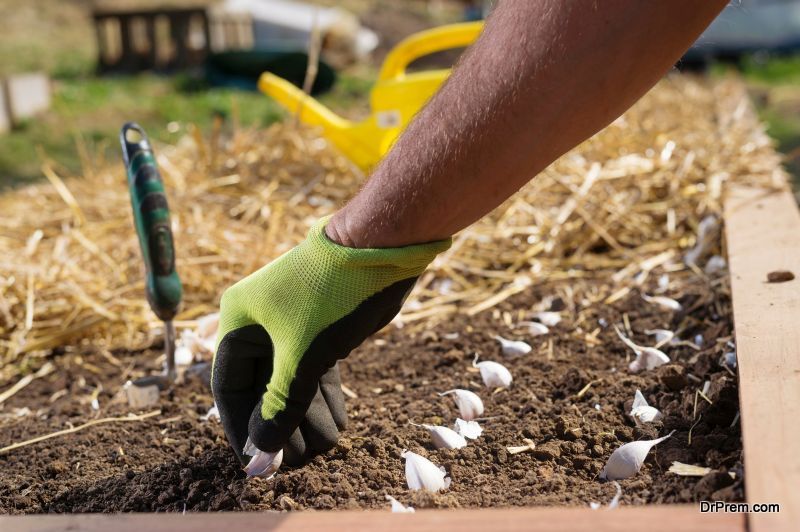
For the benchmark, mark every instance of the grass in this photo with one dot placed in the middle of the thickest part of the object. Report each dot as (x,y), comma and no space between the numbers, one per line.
(59,39)
(775,84)
(95,108)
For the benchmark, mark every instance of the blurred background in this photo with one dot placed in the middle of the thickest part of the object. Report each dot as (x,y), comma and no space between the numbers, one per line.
(73,71)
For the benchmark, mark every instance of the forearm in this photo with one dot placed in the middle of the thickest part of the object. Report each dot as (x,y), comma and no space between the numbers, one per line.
(543,77)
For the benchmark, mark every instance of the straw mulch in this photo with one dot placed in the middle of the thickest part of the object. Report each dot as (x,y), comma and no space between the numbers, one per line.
(622,202)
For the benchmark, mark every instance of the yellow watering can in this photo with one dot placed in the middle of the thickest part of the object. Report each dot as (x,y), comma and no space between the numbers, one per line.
(394,100)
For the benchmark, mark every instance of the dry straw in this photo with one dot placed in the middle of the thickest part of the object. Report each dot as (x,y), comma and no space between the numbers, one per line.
(623,201)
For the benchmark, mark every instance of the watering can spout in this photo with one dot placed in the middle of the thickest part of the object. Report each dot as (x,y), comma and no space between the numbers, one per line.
(297,102)
(396,97)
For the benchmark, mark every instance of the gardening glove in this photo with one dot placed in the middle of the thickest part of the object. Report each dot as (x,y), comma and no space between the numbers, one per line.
(283,328)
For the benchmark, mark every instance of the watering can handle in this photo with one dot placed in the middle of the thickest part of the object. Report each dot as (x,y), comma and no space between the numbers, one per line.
(425,43)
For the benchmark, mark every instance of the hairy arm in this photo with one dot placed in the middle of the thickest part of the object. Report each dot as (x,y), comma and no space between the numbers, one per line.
(544,76)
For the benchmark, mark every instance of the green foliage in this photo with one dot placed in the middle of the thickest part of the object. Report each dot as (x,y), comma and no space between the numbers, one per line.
(95,108)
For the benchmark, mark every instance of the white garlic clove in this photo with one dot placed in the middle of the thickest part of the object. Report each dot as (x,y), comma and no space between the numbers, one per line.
(715,264)
(627,460)
(648,359)
(262,464)
(641,412)
(183,355)
(213,413)
(494,374)
(422,474)
(468,429)
(513,347)
(444,437)
(398,507)
(469,404)
(549,318)
(627,341)
(705,230)
(663,283)
(662,336)
(535,328)
(663,301)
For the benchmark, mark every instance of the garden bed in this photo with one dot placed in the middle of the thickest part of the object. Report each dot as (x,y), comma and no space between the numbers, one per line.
(570,396)
(603,226)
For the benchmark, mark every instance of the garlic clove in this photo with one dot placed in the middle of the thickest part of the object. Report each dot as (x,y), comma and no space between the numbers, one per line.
(641,412)
(494,374)
(183,355)
(469,404)
(663,301)
(262,464)
(663,283)
(398,507)
(627,460)
(444,437)
(648,359)
(513,347)
(715,264)
(468,429)
(535,328)
(662,336)
(213,413)
(422,474)
(549,318)
(627,341)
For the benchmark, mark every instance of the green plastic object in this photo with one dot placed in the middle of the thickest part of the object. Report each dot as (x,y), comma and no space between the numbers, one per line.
(151,217)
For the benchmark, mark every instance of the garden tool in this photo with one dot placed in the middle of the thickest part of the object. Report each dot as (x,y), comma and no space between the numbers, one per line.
(394,100)
(151,218)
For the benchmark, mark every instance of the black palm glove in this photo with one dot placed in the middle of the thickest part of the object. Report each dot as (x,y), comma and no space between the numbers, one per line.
(284,327)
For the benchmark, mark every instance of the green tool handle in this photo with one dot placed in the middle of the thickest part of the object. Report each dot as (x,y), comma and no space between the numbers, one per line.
(151,217)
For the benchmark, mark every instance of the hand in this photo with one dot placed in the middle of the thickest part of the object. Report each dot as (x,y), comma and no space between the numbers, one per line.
(284,327)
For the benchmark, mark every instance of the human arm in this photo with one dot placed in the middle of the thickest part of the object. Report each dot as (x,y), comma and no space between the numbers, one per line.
(542,77)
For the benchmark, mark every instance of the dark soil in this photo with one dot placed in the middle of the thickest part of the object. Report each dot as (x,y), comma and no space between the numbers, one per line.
(177,461)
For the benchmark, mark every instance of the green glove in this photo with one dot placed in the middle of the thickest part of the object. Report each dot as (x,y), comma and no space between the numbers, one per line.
(284,327)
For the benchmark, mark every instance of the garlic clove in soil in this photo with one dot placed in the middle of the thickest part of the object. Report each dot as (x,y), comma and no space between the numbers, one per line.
(513,347)
(647,359)
(548,318)
(535,328)
(262,464)
(662,336)
(444,437)
(663,283)
(213,413)
(422,474)
(663,302)
(398,507)
(469,404)
(494,374)
(468,429)
(641,412)
(627,460)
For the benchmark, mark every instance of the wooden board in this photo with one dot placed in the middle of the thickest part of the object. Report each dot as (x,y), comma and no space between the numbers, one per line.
(763,235)
(651,519)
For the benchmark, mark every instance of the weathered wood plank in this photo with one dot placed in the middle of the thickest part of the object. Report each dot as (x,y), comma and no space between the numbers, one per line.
(650,518)
(763,235)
